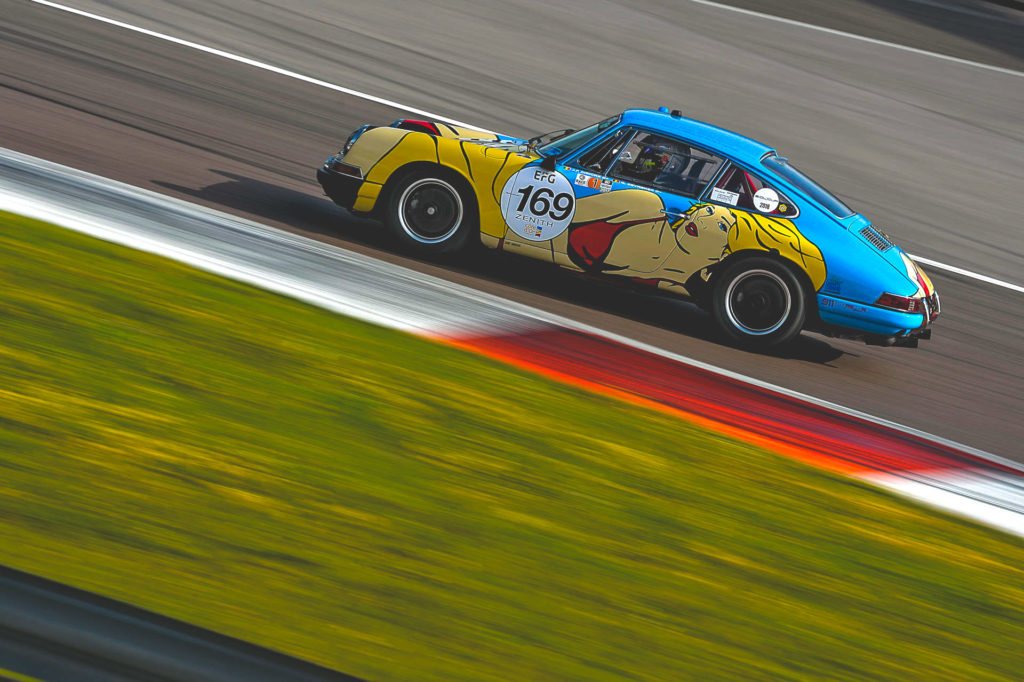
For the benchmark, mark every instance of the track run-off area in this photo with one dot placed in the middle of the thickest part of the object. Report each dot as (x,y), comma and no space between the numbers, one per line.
(944,474)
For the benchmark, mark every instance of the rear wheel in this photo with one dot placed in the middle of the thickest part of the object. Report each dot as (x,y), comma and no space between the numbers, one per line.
(429,214)
(759,303)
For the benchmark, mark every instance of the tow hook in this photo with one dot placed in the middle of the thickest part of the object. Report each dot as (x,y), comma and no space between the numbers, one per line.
(897,341)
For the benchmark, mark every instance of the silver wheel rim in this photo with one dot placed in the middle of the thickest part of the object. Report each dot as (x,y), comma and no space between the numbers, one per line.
(757,302)
(430,210)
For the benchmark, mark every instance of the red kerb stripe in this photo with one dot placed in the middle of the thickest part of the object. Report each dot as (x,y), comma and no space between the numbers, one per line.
(828,437)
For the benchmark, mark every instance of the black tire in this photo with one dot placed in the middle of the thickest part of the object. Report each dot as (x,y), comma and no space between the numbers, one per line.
(430,213)
(759,303)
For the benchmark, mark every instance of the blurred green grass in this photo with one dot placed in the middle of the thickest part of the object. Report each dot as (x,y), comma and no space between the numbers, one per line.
(401,510)
(11,676)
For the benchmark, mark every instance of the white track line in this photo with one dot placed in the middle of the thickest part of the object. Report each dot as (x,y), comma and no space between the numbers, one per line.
(257,64)
(437,117)
(968,273)
(854,36)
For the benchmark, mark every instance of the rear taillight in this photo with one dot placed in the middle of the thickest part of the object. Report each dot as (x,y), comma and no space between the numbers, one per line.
(905,304)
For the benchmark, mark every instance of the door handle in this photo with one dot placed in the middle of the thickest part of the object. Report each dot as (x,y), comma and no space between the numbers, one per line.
(673,213)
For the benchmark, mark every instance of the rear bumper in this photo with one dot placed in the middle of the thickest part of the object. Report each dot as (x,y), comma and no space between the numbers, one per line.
(343,189)
(875,325)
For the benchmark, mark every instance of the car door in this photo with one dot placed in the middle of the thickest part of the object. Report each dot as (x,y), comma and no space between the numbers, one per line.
(537,202)
(634,192)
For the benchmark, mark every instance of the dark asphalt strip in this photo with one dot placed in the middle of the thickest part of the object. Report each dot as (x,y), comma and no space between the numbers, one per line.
(57,633)
(971,29)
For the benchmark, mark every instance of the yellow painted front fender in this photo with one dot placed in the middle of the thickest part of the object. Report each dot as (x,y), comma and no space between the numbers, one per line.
(485,166)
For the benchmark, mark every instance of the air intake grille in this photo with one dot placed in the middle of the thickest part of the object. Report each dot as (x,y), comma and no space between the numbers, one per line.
(877,240)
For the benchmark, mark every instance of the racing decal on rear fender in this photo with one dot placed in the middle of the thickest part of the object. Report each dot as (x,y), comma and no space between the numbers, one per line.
(538,204)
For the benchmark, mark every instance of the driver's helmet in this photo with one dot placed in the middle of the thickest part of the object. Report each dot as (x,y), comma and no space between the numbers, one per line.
(650,160)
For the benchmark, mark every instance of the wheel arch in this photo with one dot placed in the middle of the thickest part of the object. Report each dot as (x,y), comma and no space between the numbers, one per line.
(810,293)
(442,170)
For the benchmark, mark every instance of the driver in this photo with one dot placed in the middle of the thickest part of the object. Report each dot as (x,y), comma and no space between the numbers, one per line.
(649,162)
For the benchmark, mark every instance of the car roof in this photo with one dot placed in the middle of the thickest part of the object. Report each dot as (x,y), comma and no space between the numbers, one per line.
(729,143)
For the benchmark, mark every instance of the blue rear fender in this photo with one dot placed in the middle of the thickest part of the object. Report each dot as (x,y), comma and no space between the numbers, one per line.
(857,276)
(858,272)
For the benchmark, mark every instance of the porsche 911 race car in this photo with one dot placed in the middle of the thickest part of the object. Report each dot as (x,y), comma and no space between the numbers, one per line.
(653,200)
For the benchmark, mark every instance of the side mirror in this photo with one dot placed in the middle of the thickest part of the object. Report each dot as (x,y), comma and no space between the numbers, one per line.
(548,163)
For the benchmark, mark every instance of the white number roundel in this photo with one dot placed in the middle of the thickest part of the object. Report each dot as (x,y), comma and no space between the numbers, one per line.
(538,204)
(766,200)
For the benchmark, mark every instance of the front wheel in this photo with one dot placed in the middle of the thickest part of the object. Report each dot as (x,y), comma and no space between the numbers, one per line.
(758,303)
(428,214)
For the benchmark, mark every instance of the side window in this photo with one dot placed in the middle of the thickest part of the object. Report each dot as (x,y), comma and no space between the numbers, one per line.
(745,190)
(600,157)
(666,164)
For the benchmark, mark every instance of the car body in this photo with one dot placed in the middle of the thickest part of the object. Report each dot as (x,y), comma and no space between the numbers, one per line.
(653,200)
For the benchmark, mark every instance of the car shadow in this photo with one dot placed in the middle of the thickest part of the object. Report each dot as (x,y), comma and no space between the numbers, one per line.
(275,203)
(317,214)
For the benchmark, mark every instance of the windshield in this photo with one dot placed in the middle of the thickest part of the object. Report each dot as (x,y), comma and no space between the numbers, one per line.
(564,145)
(784,169)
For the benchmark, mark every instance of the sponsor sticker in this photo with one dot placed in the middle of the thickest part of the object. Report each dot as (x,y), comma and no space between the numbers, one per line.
(725,196)
(766,200)
(590,181)
(538,204)
(833,285)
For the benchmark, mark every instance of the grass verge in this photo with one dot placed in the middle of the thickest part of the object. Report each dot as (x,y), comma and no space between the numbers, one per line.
(401,510)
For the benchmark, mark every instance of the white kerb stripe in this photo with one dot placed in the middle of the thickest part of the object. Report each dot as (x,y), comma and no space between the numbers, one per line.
(993,500)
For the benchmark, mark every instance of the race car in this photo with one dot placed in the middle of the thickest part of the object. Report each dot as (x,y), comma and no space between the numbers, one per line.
(653,200)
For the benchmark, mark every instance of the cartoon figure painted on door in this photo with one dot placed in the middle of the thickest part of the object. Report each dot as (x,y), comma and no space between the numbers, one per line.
(627,233)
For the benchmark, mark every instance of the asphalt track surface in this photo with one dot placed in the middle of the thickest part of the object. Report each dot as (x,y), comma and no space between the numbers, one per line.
(930,149)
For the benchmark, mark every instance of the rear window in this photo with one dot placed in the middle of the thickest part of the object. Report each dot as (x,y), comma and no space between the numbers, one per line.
(784,169)
(745,190)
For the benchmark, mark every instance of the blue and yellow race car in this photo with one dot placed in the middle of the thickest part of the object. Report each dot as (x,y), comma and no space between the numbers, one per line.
(654,200)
